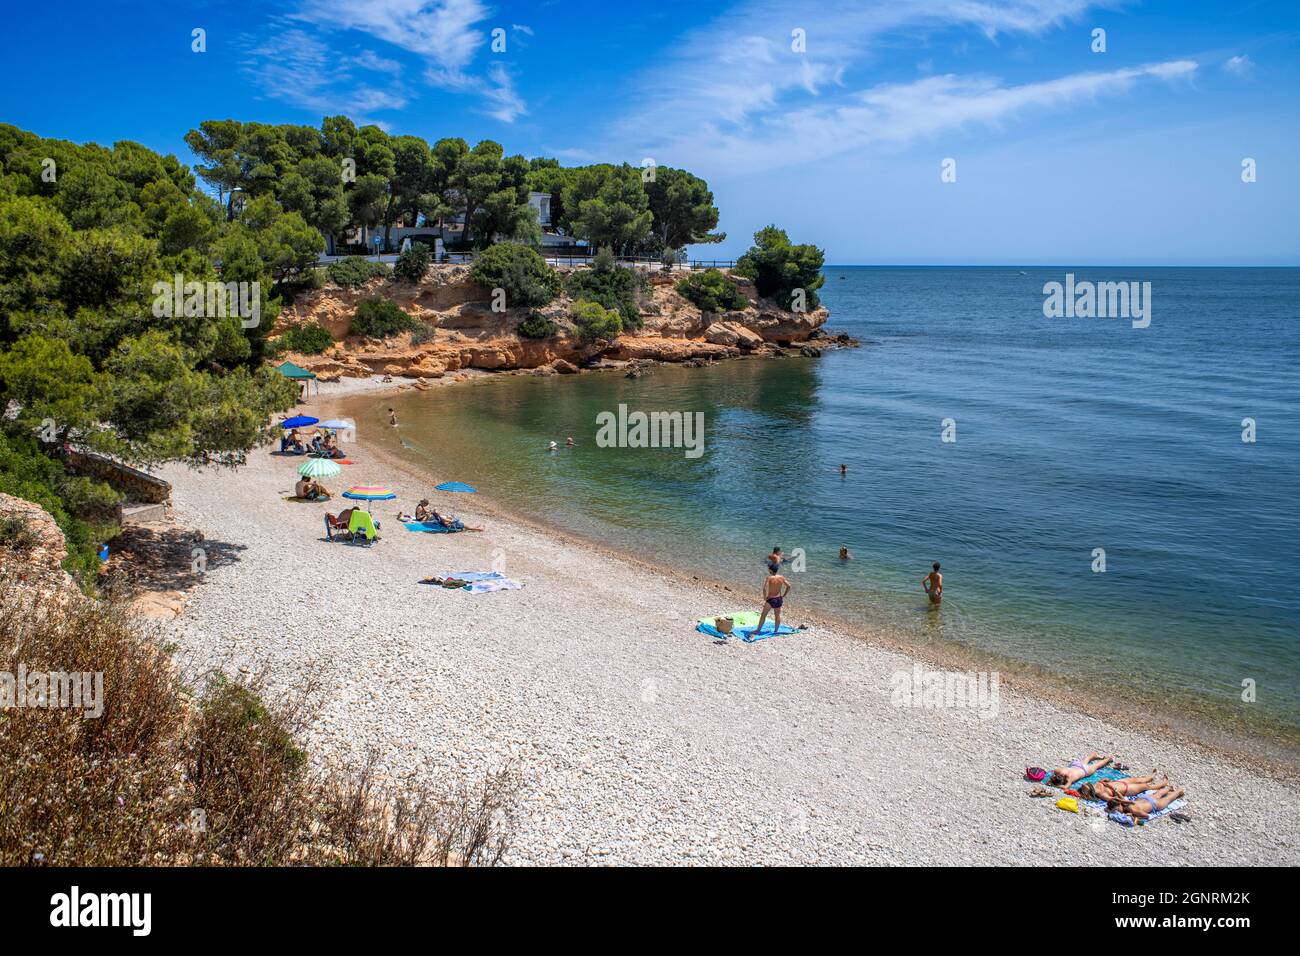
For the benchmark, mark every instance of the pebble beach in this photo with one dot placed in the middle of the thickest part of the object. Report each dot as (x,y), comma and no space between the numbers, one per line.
(641,741)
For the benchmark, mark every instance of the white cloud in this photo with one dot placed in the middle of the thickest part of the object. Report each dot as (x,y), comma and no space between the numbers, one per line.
(506,104)
(297,68)
(743,63)
(1239,65)
(736,96)
(445,34)
(896,114)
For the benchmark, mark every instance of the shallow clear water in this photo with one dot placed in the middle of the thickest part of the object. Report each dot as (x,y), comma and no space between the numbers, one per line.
(1071,435)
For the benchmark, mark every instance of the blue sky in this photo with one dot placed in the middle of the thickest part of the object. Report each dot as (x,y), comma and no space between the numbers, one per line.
(1063,155)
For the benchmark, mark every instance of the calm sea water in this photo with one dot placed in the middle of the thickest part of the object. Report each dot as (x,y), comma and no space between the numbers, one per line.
(1071,435)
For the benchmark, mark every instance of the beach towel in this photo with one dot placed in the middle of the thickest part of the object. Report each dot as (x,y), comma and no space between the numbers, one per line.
(744,626)
(430,526)
(479,582)
(1110,773)
(361,522)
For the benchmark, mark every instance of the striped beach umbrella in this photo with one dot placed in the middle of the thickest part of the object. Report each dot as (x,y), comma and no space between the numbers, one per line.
(319,468)
(370,493)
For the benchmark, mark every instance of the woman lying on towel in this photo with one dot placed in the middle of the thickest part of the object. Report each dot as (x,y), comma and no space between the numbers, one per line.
(1145,804)
(1077,770)
(1105,790)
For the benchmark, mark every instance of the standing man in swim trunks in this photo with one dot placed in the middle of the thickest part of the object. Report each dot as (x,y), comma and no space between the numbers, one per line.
(933,584)
(775,588)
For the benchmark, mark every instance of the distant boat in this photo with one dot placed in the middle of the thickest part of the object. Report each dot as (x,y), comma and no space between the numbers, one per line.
(1023,273)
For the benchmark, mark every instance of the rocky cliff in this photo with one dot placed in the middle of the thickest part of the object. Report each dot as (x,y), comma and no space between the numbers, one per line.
(463,331)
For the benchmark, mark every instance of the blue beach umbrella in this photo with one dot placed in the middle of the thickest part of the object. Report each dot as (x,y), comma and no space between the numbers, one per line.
(299,421)
(457,486)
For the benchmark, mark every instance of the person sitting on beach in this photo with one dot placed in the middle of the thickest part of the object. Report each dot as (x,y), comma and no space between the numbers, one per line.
(292,443)
(775,589)
(422,511)
(1069,775)
(308,489)
(844,553)
(933,584)
(1147,803)
(1107,790)
(339,522)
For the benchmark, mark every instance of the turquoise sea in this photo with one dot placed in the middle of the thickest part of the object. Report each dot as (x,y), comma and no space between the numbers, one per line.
(1072,435)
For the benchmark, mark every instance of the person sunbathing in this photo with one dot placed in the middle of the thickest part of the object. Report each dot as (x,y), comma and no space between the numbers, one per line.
(1147,803)
(1077,770)
(452,522)
(1106,790)
(422,511)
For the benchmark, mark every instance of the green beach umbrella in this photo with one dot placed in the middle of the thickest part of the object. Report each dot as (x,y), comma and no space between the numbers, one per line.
(319,468)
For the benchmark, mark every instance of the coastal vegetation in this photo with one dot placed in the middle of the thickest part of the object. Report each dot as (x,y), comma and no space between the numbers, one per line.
(519,271)
(309,339)
(711,291)
(608,285)
(210,771)
(779,268)
(537,326)
(594,322)
(340,178)
(413,263)
(93,354)
(380,318)
(353,272)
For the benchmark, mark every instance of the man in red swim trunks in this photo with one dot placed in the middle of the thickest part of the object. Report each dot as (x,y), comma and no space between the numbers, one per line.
(775,588)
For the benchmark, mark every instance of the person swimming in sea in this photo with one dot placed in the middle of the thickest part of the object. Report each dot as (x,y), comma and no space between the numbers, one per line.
(777,558)
(933,584)
(569,441)
(392,417)
(844,470)
(844,553)
(775,589)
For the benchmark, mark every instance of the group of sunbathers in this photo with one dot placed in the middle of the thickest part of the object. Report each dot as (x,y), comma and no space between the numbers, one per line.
(321,445)
(424,514)
(1139,797)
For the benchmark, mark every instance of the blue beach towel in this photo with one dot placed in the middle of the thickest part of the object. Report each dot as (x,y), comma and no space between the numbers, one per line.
(745,627)
(432,527)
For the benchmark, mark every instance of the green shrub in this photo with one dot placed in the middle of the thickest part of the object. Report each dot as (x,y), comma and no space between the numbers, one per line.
(354,271)
(311,339)
(779,267)
(380,318)
(422,333)
(520,271)
(611,286)
(81,507)
(413,264)
(594,321)
(711,291)
(537,326)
